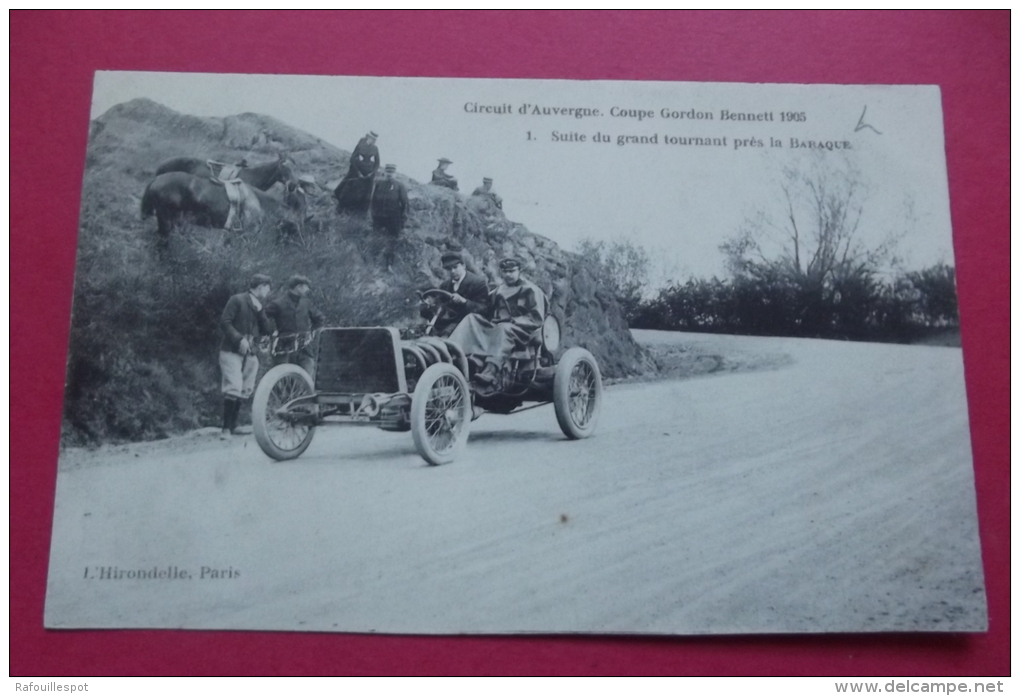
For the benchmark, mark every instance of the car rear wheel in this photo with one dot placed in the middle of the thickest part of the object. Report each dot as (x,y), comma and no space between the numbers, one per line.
(440,413)
(577,393)
(281,431)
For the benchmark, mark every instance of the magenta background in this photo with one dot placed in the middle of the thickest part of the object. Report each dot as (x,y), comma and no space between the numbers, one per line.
(53,56)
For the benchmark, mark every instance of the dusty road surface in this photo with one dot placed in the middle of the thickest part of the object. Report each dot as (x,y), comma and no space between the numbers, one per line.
(830,493)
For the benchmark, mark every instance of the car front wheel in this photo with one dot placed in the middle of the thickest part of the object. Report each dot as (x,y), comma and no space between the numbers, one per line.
(577,393)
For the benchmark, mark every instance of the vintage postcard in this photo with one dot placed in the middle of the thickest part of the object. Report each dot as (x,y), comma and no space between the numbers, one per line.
(446,356)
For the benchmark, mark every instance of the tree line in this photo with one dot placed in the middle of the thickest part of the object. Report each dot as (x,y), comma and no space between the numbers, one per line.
(800,265)
(907,308)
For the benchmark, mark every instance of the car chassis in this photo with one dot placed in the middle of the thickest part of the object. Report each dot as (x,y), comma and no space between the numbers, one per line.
(369,376)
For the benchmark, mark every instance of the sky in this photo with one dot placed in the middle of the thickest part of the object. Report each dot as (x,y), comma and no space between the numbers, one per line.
(679,202)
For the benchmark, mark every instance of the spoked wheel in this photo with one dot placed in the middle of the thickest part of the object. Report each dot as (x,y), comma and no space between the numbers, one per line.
(440,413)
(283,433)
(577,393)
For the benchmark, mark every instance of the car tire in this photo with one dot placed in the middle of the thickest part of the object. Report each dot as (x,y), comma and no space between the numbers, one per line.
(577,393)
(277,437)
(440,413)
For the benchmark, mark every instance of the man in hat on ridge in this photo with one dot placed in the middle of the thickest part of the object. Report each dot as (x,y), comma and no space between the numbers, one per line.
(295,320)
(469,294)
(243,321)
(485,191)
(355,191)
(516,310)
(389,203)
(441,178)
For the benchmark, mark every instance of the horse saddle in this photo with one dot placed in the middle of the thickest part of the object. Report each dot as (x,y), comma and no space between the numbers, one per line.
(234,197)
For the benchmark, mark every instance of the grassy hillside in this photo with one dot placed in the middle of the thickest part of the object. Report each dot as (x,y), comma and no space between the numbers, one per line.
(144,332)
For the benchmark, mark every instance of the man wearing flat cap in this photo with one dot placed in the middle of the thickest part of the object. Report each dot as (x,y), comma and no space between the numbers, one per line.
(295,321)
(485,191)
(441,178)
(516,310)
(389,203)
(242,323)
(469,293)
(354,193)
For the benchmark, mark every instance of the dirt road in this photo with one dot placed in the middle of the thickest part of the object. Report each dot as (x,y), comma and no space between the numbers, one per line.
(834,493)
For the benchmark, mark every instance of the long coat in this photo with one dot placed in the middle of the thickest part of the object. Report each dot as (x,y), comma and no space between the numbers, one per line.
(523,305)
(515,312)
(354,193)
(364,160)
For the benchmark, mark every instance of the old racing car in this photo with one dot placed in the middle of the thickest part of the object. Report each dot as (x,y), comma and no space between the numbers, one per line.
(370,376)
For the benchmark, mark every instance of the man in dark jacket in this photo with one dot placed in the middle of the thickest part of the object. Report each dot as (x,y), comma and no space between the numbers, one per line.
(354,193)
(242,322)
(295,320)
(441,178)
(389,203)
(469,294)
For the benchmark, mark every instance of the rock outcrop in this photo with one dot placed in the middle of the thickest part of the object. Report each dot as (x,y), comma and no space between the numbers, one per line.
(144,330)
(143,133)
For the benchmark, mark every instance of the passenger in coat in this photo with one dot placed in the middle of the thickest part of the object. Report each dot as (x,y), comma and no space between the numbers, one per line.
(242,323)
(470,294)
(516,310)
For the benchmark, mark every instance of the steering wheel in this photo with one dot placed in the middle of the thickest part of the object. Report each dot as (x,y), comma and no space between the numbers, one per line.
(441,295)
(443,301)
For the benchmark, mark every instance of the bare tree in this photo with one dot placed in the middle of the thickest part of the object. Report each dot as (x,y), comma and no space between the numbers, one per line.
(811,249)
(812,232)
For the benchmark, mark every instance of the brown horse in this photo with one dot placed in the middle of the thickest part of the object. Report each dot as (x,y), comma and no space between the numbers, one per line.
(260,176)
(173,195)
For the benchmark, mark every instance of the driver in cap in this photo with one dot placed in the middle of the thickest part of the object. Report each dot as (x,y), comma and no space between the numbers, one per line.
(468,292)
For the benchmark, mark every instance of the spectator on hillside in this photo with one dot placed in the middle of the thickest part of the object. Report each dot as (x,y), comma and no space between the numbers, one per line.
(485,191)
(389,211)
(354,193)
(441,178)
(389,203)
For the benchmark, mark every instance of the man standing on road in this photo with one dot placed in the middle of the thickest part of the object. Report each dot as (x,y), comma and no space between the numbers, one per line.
(441,178)
(295,320)
(242,323)
(469,293)
(354,193)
